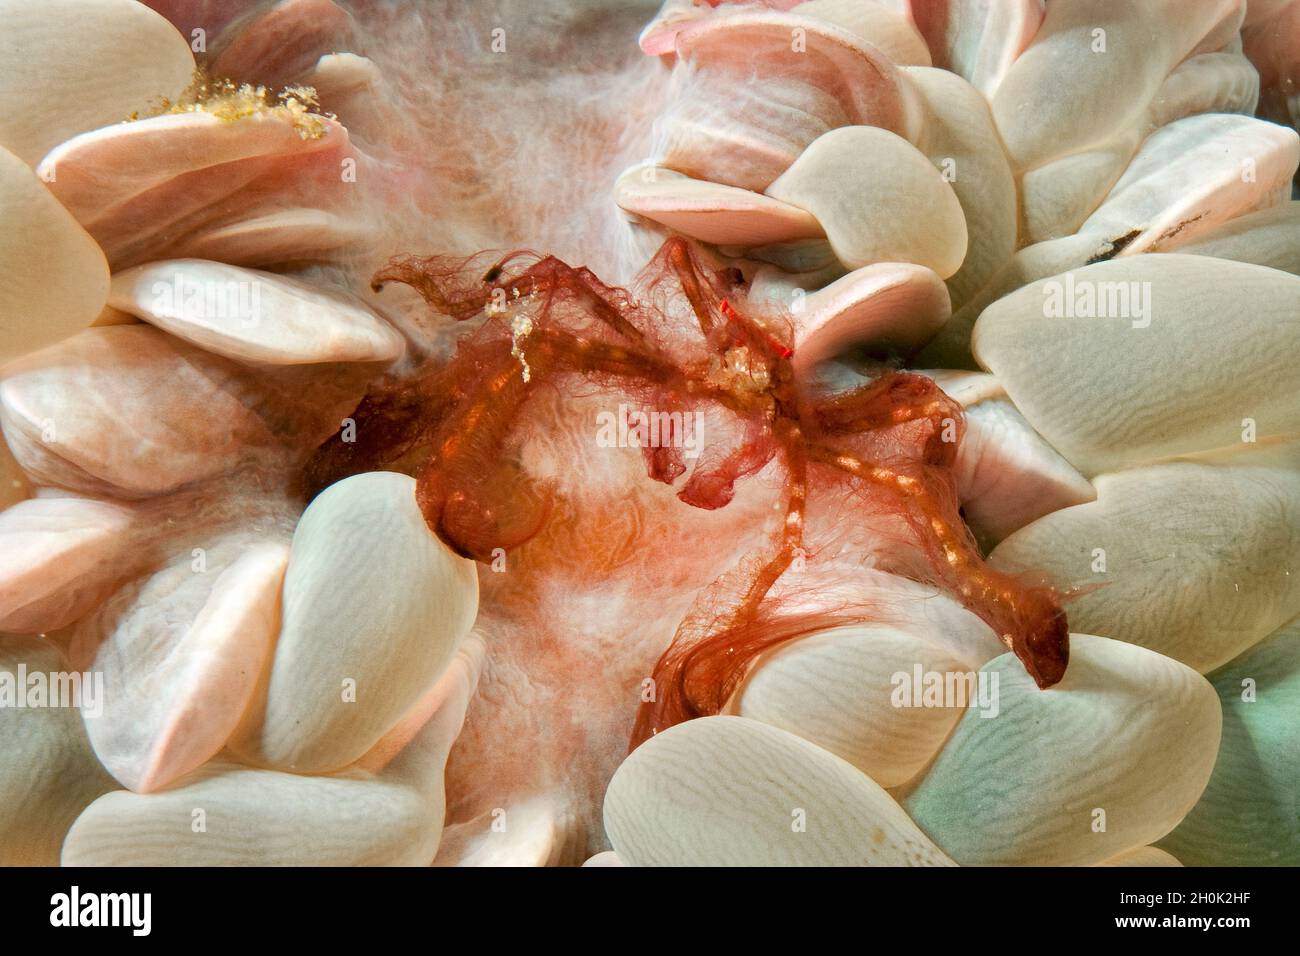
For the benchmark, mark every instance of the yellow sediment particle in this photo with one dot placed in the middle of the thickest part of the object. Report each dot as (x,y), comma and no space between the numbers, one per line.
(231,102)
(521,325)
(521,322)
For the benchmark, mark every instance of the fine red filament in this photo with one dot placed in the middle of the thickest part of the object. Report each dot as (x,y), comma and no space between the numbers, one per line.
(686,342)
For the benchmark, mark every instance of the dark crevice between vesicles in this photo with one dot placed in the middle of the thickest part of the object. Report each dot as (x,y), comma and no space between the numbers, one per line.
(1114,248)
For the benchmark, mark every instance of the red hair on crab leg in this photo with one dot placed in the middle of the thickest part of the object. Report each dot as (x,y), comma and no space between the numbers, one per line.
(686,342)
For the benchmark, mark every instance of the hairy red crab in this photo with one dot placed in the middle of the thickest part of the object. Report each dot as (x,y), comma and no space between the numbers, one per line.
(693,340)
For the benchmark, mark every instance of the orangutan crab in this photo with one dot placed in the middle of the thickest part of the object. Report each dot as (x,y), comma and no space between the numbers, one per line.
(896,435)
